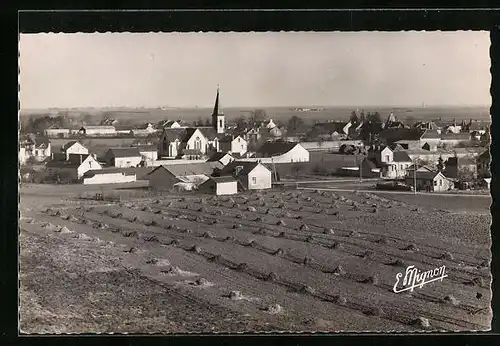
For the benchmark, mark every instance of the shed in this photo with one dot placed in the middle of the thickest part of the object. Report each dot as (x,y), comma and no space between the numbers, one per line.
(220,186)
(429,181)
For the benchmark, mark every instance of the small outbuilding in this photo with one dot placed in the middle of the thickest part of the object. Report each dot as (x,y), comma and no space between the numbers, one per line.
(220,186)
(430,181)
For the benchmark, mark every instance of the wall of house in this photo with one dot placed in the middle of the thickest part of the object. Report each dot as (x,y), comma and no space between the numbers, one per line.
(258,179)
(125,162)
(229,188)
(395,170)
(100,132)
(88,164)
(162,179)
(110,178)
(150,155)
(57,132)
(441,184)
(386,155)
(239,145)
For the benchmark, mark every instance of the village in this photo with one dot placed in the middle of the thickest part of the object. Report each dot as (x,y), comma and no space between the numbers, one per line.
(219,157)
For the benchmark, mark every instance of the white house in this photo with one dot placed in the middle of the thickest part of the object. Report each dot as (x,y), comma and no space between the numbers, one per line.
(395,164)
(233,144)
(281,152)
(123,157)
(38,148)
(144,130)
(149,153)
(251,175)
(220,186)
(74,168)
(73,147)
(429,181)
(270,124)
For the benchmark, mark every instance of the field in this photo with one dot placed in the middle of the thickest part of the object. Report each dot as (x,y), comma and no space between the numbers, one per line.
(276,113)
(264,261)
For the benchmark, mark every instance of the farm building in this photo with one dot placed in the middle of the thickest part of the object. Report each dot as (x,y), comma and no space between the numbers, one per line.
(483,164)
(460,167)
(166,176)
(223,158)
(107,176)
(124,129)
(251,175)
(73,147)
(73,168)
(149,152)
(233,144)
(220,186)
(431,181)
(98,130)
(123,157)
(279,152)
(173,124)
(144,130)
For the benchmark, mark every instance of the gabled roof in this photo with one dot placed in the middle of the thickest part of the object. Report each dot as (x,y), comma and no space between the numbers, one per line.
(124,152)
(70,144)
(460,161)
(173,134)
(456,136)
(246,167)
(42,141)
(77,158)
(210,133)
(224,179)
(430,134)
(180,170)
(426,175)
(401,156)
(275,148)
(109,170)
(217,156)
(74,161)
(392,135)
(395,147)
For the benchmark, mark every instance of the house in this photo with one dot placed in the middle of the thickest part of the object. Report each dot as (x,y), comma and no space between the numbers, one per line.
(73,147)
(395,164)
(172,124)
(270,124)
(123,157)
(483,164)
(149,153)
(36,147)
(427,125)
(107,176)
(280,152)
(430,181)
(74,168)
(250,175)
(144,130)
(221,157)
(164,177)
(431,137)
(450,140)
(194,142)
(98,130)
(463,168)
(233,144)
(453,128)
(329,130)
(220,186)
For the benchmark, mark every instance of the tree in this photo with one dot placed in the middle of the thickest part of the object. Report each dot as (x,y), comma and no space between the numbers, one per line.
(258,116)
(241,123)
(440,165)
(208,122)
(295,124)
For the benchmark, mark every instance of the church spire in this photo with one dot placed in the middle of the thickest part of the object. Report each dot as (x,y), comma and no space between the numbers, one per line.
(218,119)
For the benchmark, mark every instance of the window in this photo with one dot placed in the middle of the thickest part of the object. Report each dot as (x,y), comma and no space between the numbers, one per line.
(435,182)
(220,123)
(90,163)
(254,180)
(401,167)
(387,158)
(440,182)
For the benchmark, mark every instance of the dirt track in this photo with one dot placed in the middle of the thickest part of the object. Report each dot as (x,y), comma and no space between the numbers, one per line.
(328,260)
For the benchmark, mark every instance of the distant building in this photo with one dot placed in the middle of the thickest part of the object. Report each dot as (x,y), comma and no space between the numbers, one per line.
(73,147)
(220,186)
(221,157)
(108,176)
(395,163)
(429,181)
(98,130)
(166,176)
(451,140)
(123,157)
(36,147)
(74,168)
(144,130)
(281,152)
(233,144)
(149,153)
(483,164)
(54,132)
(460,167)
(251,175)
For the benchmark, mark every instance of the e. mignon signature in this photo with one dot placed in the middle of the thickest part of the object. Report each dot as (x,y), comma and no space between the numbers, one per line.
(414,277)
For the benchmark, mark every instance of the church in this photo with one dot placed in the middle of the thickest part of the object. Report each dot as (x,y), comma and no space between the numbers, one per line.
(194,142)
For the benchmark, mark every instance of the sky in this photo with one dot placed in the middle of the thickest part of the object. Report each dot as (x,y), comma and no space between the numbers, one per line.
(255,69)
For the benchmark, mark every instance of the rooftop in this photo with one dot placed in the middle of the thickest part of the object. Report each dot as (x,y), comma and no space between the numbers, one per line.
(124,152)
(275,148)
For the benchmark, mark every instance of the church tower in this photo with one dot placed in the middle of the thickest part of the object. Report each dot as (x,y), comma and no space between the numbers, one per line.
(218,118)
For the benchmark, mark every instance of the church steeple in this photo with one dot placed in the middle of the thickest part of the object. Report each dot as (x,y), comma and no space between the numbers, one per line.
(218,118)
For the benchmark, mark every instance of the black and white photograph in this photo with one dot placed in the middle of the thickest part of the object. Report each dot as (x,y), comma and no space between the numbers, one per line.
(229,182)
